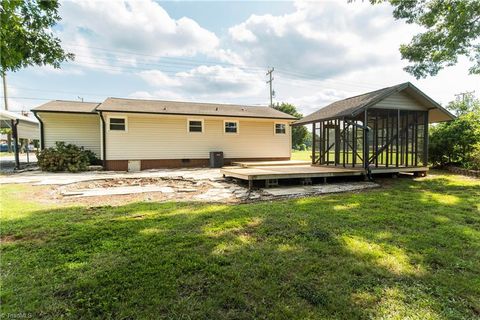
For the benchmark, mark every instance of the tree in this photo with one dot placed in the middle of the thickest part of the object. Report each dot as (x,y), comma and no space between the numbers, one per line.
(452,29)
(26,37)
(458,141)
(299,133)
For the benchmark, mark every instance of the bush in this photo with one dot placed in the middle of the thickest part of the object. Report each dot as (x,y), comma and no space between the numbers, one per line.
(302,147)
(455,142)
(65,157)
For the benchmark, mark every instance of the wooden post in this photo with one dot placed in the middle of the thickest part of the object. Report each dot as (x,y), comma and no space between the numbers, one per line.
(354,145)
(345,136)
(327,150)
(415,135)
(314,133)
(337,141)
(322,142)
(425,139)
(376,140)
(387,128)
(365,140)
(398,138)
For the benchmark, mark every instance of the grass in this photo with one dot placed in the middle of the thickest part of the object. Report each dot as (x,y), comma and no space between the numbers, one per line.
(408,250)
(301,155)
(6,154)
(307,156)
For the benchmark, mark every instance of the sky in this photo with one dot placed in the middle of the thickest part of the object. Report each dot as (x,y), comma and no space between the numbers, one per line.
(220,51)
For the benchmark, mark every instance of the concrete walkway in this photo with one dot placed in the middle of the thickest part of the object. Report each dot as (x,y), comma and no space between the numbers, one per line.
(63,178)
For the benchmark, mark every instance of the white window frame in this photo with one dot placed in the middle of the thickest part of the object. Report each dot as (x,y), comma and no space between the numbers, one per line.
(234,121)
(117,117)
(275,128)
(194,132)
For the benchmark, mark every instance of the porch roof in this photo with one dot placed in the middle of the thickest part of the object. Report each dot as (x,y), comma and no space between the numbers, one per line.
(351,107)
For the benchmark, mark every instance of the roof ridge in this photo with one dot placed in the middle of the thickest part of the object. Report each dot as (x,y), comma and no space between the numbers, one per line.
(370,92)
(61,100)
(180,101)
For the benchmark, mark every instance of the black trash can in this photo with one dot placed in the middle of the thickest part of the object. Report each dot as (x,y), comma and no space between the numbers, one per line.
(216,159)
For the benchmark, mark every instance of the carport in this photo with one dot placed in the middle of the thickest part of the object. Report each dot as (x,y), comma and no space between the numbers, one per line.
(22,128)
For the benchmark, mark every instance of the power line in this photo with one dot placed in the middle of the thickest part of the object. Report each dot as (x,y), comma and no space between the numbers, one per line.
(196,62)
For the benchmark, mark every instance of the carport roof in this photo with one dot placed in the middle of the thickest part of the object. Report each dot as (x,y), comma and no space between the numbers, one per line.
(9,115)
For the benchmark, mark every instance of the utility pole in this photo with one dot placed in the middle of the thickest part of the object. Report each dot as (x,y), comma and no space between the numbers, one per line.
(4,78)
(272,93)
(464,95)
(5,99)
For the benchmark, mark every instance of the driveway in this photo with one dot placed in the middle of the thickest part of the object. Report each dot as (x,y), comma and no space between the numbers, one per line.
(7,163)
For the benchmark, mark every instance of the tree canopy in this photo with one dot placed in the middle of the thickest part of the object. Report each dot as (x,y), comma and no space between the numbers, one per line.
(299,134)
(452,29)
(26,36)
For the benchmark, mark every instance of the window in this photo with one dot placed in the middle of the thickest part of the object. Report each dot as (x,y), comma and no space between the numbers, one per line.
(231,126)
(280,128)
(195,126)
(118,124)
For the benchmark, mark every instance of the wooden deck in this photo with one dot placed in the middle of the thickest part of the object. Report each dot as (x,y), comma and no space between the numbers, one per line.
(289,172)
(246,164)
(272,171)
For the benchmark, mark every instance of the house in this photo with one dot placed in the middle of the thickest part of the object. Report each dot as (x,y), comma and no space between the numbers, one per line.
(133,134)
(381,131)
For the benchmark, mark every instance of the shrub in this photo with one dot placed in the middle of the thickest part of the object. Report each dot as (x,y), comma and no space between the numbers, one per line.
(302,147)
(455,142)
(65,157)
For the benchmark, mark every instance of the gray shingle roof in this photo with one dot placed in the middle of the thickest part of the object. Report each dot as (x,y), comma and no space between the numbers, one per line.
(191,108)
(163,107)
(67,106)
(352,106)
(348,106)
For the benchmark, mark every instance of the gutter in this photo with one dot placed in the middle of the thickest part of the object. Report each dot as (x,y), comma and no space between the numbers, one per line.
(42,138)
(196,115)
(104,145)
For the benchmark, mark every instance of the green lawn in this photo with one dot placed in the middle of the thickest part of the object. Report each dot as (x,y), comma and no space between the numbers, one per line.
(6,154)
(302,155)
(408,250)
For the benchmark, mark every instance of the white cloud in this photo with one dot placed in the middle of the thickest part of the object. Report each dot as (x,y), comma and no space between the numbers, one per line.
(206,81)
(324,39)
(139,25)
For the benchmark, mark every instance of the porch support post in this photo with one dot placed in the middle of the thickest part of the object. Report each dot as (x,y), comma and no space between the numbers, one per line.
(398,138)
(425,139)
(365,140)
(387,132)
(14,124)
(337,142)
(314,141)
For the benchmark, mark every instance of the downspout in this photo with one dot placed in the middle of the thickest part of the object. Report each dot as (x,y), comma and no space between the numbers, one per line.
(104,145)
(42,139)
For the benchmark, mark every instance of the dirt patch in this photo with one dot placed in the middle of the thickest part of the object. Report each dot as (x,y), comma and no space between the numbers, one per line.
(99,192)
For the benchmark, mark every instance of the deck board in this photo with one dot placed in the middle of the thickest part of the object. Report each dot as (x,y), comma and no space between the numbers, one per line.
(289,172)
(270,163)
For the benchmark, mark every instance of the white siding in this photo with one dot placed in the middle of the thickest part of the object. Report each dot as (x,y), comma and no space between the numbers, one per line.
(27,130)
(79,129)
(400,100)
(167,137)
